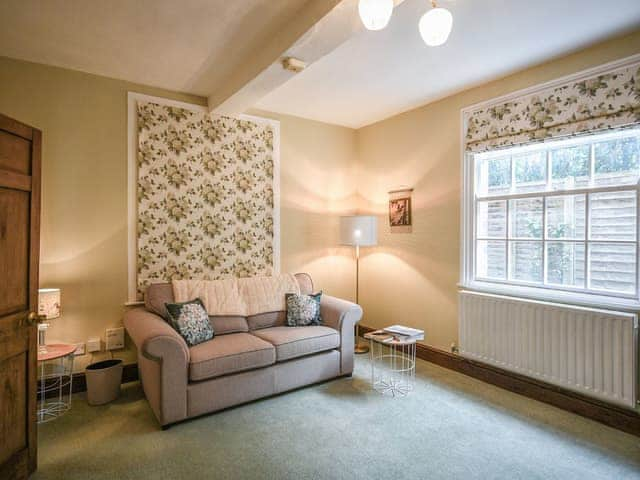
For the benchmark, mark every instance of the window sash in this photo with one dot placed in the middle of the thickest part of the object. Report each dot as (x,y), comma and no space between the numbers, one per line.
(471,179)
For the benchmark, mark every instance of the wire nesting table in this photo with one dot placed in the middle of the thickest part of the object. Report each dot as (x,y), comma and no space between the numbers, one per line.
(393,363)
(55,368)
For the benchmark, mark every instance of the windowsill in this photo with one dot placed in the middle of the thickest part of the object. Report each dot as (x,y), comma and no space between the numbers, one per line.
(544,295)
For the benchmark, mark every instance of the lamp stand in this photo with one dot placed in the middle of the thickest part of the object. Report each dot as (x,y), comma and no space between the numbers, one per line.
(42,342)
(358,347)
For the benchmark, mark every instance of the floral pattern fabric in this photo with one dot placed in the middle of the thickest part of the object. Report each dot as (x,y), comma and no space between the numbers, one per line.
(303,310)
(604,101)
(205,196)
(191,321)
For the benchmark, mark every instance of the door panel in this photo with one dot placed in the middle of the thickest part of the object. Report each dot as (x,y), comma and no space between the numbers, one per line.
(19,255)
(12,409)
(15,153)
(14,243)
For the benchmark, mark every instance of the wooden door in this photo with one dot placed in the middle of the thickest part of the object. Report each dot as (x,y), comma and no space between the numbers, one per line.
(19,252)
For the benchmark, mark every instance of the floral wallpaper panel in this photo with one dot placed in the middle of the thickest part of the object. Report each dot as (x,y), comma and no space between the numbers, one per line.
(604,101)
(205,196)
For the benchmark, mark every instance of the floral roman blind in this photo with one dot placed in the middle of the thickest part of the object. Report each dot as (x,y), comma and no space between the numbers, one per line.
(205,196)
(598,102)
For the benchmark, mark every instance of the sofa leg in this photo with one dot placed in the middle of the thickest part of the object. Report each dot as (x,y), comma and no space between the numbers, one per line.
(166,427)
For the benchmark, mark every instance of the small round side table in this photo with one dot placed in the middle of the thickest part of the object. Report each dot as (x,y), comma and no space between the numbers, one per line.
(55,368)
(393,363)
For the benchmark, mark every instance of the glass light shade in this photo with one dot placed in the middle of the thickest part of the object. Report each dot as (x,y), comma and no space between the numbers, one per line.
(49,302)
(359,230)
(375,14)
(435,26)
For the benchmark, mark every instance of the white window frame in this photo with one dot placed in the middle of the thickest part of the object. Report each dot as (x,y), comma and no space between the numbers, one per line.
(547,148)
(561,294)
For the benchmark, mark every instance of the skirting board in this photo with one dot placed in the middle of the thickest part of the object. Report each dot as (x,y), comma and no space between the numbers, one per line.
(610,415)
(129,374)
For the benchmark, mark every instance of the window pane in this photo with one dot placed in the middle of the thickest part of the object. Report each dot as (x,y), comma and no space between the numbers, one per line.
(526,218)
(565,263)
(492,219)
(530,171)
(570,167)
(612,267)
(525,261)
(491,259)
(494,176)
(613,215)
(566,217)
(617,161)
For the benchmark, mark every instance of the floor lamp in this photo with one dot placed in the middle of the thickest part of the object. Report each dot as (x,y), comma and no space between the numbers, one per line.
(359,231)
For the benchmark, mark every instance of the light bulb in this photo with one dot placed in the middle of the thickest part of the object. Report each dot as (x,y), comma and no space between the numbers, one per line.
(375,14)
(357,233)
(435,26)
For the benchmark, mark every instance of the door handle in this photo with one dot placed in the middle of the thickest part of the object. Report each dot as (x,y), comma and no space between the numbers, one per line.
(34,318)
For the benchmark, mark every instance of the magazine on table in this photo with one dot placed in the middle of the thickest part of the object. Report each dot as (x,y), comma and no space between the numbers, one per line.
(396,334)
(405,333)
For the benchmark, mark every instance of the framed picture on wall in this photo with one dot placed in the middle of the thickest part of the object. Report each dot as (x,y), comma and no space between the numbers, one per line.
(400,212)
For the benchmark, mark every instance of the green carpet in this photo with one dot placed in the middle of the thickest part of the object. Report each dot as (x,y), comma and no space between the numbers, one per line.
(450,427)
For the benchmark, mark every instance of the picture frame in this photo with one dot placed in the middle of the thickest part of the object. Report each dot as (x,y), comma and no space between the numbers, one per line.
(400,212)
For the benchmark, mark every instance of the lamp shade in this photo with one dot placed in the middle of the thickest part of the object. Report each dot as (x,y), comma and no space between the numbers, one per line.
(361,230)
(435,26)
(375,14)
(49,302)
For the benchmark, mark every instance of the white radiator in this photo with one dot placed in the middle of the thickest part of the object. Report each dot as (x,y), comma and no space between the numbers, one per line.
(586,350)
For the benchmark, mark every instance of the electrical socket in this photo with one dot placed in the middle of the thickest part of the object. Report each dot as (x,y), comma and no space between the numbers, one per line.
(93,345)
(114,338)
(80,349)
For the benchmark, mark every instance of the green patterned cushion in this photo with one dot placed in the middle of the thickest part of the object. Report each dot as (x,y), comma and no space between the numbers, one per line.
(190,319)
(303,310)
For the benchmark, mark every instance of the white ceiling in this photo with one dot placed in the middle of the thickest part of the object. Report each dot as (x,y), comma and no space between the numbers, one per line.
(184,45)
(375,75)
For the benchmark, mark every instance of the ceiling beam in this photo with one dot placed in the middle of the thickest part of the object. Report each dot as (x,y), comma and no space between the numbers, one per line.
(316,32)
(273,48)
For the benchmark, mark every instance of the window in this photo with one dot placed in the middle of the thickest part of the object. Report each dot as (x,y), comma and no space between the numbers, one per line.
(559,216)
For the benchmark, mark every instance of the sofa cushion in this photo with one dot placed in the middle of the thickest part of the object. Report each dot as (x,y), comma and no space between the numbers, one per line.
(158,294)
(228,324)
(303,310)
(230,353)
(265,320)
(292,342)
(191,321)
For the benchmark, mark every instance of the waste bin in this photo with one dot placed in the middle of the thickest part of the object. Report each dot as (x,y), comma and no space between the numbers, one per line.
(103,381)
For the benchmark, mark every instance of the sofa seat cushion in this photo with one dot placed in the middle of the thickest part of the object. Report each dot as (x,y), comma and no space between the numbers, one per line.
(292,342)
(229,353)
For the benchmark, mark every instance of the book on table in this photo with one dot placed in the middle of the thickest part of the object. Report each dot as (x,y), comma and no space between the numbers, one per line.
(405,333)
(396,334)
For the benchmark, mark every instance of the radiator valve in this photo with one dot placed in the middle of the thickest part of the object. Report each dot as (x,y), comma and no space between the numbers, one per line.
(454,348)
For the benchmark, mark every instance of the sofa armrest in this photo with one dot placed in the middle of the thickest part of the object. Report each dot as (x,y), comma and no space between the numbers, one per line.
(343,316)
(163,361)
(154,337)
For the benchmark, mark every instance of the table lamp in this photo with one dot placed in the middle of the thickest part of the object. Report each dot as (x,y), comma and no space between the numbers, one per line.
(359,231)
(48,308)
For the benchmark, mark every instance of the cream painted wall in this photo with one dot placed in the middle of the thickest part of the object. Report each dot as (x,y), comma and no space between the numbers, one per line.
(317,185)
(408,278)
(84,185)
(411,278)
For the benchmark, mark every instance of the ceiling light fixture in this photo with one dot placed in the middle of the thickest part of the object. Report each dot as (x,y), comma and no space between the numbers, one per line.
(435,25)
(375,14)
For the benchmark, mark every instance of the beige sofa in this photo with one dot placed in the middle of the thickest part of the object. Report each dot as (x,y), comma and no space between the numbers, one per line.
(249,357)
